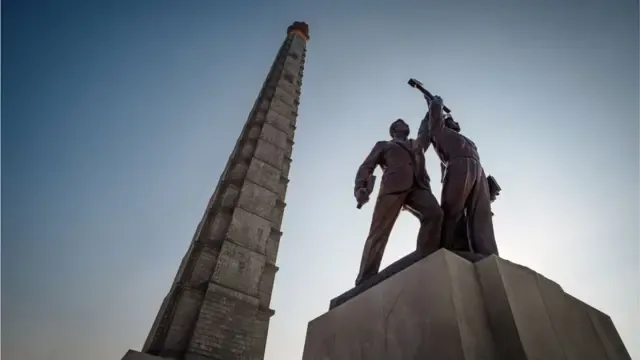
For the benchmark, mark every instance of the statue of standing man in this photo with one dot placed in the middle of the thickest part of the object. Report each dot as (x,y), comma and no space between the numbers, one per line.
(465,189)
(405,183)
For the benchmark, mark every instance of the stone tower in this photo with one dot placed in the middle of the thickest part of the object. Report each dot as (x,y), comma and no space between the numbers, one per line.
(218,304)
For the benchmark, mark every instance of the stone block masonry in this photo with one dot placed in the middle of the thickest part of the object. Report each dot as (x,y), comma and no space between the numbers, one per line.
(218,304)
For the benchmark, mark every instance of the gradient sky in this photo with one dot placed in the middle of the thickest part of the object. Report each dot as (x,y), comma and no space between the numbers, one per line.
(118,117)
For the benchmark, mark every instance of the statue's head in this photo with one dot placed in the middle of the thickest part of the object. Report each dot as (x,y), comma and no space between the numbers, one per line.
(399,130)
(450,123)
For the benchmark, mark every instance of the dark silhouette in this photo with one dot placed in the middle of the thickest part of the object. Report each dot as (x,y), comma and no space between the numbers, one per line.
(466,197)
(405,183)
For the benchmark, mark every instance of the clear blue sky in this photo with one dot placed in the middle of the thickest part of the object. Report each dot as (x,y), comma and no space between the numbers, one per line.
(118,117)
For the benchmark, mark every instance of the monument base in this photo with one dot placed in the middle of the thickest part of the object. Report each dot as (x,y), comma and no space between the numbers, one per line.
(391,270)
(446,307)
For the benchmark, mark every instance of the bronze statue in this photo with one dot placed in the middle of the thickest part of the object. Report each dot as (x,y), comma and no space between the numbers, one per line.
(466,196)
(405,183)
(461,241)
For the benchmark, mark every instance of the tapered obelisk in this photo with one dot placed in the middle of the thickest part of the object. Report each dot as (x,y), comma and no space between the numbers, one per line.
(218,305)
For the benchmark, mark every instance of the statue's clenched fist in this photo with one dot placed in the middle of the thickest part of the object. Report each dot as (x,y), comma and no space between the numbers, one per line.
(362,195)
(436,100)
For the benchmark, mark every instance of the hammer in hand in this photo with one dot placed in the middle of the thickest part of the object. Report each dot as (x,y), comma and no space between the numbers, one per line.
(418,85)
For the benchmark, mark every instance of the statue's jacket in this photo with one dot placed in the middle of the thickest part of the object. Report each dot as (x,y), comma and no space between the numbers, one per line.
(403,164)
(449,144)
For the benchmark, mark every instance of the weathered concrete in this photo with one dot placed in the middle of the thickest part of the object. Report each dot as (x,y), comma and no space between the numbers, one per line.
(517,312)
(606,330)
(445,307)
(218,305)
(536,319)
(432,307)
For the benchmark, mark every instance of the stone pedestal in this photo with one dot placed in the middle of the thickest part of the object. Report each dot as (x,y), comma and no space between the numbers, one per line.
(446,307)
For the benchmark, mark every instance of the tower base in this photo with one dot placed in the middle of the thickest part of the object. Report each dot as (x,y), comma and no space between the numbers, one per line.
(136,355)
(446,307)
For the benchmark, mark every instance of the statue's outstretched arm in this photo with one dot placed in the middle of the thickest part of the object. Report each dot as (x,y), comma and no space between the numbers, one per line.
(436,120)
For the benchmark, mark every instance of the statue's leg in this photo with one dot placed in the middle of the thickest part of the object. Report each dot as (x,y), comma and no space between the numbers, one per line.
(456,188)
(461,235)
(385,214)
(481,232)
(424,205)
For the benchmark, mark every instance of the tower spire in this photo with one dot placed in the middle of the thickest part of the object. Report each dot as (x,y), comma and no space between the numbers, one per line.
(218,304)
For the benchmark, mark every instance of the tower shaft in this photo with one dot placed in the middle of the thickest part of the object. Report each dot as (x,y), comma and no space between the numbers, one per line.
(218,304)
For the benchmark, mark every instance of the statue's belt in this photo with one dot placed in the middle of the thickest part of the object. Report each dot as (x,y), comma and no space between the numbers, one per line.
(461,157)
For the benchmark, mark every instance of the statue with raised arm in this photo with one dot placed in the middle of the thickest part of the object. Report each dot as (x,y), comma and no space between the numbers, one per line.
(405,183)
(466,194)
